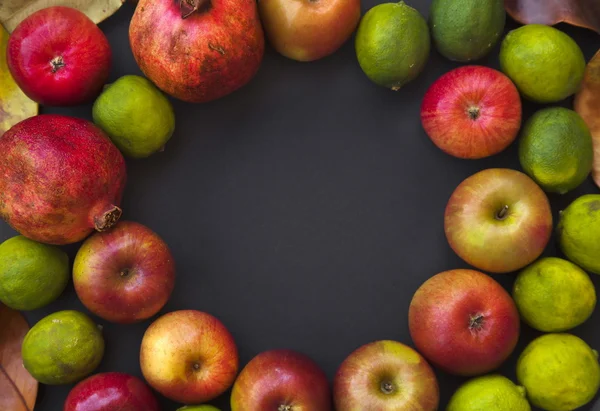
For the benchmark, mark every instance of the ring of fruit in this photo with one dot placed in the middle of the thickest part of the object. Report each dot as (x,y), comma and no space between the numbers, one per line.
(64,183)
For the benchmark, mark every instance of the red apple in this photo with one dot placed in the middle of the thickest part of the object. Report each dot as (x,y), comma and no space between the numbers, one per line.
(472,112)
(189,356)
(109,392)
(464,322)
(307,30)
(281,380)
(59,57)
(498,220)
(125,274)
(385,375)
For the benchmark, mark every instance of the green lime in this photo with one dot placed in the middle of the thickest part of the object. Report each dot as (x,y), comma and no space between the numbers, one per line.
(136,115)
(579,232)
(559,371)
(392,44)
(198,408)
(62,348)
(556,149)
(554,295)
(466,30)
(32,274)
(545,64)
(489,393)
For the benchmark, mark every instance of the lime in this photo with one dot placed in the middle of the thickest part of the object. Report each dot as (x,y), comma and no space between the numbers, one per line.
(392,44)
(198,408)
(559,371)
(136,115)
(579,232)
(546,64)
(556,149)
(62,348)
(554,295)
(489,393)
(32,274)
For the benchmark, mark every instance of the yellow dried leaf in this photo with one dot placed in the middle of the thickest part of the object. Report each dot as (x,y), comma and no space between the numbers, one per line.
(587,104)
(12,12)
(14,104)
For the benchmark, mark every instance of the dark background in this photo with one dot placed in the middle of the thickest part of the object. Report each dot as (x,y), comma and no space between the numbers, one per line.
(303,210)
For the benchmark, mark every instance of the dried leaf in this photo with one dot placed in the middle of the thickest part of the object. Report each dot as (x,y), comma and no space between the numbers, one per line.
(18,389)
(14,104)
(12,12)
(582,13)
(587,104)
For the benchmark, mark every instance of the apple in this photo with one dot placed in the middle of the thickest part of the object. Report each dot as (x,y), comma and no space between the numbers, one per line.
(472,112)
(59,57)
(308,30)
(124,275)
(189,356)
(281,380)
(498,220)
(385,375)
(111,391)
(464,322)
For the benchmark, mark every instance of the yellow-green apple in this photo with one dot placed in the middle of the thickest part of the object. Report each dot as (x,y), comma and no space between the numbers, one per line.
(281,380)
(189,356)
(498,220)
(472,112)
(464,322)
(307,30)
(385,375)
(111,391)
(125,274)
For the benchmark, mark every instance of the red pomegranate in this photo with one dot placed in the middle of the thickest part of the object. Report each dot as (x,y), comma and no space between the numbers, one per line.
(60,178)
(197,50)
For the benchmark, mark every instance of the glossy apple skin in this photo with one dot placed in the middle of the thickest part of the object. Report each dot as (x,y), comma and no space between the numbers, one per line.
(358,383)
(189,356)
(109,392)
(308,30)
(464,322)
(472,112)
(64,34)
(278,379)
(491,243)
(124,275)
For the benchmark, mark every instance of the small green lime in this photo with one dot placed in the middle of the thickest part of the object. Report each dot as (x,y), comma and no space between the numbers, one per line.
(489,393)
(554,295)
(136,115)
(556,149)
(62,348)
(545,64)
(579,232)
(392,44)
(198,408)
(559,371)
(32,274)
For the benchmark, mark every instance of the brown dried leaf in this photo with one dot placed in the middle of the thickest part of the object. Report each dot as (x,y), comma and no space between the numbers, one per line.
(12,12)
(14,104)
(582,13)
(587,104)
(18,389)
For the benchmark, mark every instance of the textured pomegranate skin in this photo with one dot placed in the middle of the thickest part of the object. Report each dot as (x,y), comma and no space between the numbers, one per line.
(202,57)
(67,34)
(60,177)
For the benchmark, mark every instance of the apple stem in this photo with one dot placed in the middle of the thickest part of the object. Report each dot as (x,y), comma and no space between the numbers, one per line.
(57,63)
(189,7)
(387,387)
(502,214)
(124,272)
(474,112)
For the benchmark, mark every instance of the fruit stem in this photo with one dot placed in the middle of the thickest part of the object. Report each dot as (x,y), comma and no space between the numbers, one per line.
(502,214)
(474,112)
(476,322)
(189,7)
(125,272)
(57,63)
(387,387)
(107,219)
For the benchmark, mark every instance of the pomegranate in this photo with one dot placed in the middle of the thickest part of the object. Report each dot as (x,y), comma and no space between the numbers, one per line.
(60,178)
(197,50)
(59,57)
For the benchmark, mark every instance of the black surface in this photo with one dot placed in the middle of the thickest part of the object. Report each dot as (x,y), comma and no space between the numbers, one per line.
(303,210)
